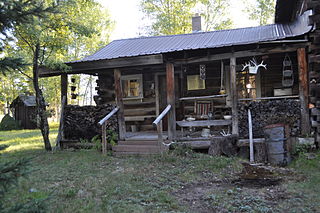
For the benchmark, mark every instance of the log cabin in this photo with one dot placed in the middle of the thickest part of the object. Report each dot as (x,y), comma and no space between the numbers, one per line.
(182,88)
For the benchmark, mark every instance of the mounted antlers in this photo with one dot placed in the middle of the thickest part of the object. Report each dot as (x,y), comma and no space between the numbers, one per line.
(245,66)
(254,66)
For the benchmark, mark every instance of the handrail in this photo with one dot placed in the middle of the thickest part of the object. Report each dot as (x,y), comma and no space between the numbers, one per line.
(103,123)
(114,111)
(158,123)
(163,113)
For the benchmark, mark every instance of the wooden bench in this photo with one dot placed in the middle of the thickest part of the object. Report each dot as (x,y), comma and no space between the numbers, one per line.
(203,123)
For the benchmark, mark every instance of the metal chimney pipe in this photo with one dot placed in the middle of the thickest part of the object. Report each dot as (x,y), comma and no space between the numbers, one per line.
(196,23)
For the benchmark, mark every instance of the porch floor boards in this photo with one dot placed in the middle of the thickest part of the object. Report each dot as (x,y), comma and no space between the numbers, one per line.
(144,136)
(146,143)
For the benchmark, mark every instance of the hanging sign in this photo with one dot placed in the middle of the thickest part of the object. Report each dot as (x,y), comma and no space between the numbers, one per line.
(202,71)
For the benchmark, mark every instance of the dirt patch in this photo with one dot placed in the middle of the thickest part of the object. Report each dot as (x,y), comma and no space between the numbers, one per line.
(230,197)
(259,193)
(195,196)
(256,183)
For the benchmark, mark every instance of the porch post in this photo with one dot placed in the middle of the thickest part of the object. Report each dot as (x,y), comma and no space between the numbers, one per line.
(303,90)
(119,103)
(64,88)
(234,96)
(171,100)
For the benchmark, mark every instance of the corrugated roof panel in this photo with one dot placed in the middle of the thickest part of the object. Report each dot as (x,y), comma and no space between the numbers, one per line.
(164,44)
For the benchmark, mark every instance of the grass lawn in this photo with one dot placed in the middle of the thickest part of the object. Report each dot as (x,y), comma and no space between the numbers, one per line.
(86,181)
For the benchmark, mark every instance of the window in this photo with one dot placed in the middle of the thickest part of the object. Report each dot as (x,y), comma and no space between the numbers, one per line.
(132,86)
(246,85)
(195,83)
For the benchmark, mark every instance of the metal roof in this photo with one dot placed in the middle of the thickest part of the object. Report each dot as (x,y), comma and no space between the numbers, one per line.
(203,40)
(29,101)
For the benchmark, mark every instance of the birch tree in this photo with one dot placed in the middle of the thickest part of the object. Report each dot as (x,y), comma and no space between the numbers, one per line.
(169,17)
(215,14)
(49,38)
(261,11)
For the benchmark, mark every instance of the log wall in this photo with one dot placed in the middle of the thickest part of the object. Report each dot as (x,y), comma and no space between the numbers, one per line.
(139,112)
(314,68)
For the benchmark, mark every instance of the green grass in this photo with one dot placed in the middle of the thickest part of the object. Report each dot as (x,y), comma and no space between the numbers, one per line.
(87,181)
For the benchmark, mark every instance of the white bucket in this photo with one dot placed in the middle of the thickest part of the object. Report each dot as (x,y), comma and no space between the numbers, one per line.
(205,133)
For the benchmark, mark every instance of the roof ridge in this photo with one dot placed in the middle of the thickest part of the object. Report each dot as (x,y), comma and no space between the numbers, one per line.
(196,33)
(148,45)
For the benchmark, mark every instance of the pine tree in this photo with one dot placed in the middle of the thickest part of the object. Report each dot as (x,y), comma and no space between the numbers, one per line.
(13,13)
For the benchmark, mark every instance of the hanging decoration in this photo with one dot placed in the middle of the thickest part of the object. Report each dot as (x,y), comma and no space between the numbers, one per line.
(202,72)
(253,66)
(287,72)
(222,89)
(73,88)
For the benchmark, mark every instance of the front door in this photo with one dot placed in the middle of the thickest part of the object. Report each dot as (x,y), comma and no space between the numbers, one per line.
(163,95)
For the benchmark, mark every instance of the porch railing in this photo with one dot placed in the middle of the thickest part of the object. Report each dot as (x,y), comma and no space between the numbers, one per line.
(103,123)
(158,123)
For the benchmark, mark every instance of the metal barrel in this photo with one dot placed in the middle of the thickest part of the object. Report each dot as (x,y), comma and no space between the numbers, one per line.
(275,144)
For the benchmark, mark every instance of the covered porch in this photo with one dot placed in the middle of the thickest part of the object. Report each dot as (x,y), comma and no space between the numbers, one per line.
(174,92)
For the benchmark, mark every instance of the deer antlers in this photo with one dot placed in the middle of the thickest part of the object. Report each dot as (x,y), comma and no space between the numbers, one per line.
(245,66)
(253,63)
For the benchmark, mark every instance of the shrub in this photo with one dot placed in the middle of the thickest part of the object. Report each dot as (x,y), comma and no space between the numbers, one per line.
(8,123)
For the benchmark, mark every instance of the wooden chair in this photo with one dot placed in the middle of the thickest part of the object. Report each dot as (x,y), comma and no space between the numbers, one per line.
(202,108)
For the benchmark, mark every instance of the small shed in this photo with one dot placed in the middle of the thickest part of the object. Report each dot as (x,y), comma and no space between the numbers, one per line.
(24,111)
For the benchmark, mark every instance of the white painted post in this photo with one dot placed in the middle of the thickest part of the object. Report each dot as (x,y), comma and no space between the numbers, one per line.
(250,136)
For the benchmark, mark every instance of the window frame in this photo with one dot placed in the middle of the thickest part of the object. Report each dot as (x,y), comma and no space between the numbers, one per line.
(139,78)
(191,89)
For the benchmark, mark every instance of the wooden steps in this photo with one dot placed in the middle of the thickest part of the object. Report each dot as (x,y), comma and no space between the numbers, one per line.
(138,147)
(139,142)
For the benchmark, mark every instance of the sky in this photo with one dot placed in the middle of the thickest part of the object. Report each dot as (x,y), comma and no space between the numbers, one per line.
(130,20)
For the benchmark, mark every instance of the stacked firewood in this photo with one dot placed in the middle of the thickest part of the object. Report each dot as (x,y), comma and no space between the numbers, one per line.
(269,112)
(81,122)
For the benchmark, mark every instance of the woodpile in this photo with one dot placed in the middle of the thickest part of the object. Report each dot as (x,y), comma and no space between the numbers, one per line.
(81,122)
(269,112)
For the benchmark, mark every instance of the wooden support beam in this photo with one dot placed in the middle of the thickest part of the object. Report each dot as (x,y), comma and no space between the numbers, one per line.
(64,88)
(171,100)
(102,65)
(119,102)
(234,96)
(156,87)
(303,90)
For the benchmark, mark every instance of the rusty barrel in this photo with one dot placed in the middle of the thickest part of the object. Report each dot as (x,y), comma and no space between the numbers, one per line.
(276,144)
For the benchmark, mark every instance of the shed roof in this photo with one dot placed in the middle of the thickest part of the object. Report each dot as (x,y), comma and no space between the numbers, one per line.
(203,40)
(27,100)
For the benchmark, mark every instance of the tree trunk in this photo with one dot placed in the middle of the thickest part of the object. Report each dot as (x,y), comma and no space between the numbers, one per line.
(41,106)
